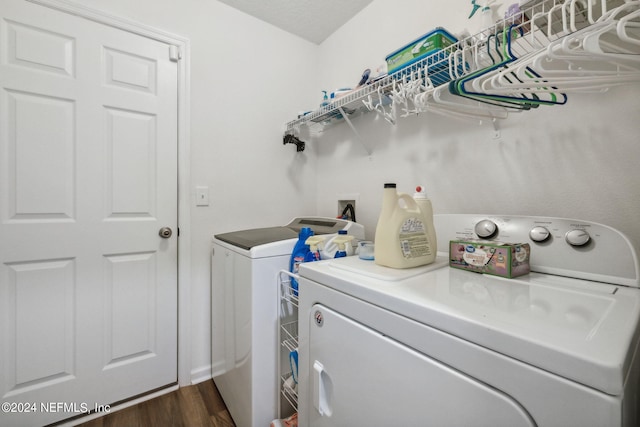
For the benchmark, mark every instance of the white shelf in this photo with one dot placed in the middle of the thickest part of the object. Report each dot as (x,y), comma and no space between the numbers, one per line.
(534,29)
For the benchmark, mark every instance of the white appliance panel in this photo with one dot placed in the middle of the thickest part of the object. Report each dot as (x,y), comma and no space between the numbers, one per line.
(409,388)
(244,305)
(581,333)
(552,401)
(608,257)
(561,343)
(244,358)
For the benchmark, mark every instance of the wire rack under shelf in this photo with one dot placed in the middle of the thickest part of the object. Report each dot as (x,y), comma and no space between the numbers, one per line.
(289,335)
(289,392)
(287,291)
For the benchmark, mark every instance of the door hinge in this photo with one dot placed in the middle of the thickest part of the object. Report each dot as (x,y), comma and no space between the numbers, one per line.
(175,54)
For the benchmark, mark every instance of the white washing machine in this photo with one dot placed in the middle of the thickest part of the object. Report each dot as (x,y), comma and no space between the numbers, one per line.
(244,301)
(440,346)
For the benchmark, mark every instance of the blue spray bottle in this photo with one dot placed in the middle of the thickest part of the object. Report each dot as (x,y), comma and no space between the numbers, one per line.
(297,256)
(325,99)
(341,240)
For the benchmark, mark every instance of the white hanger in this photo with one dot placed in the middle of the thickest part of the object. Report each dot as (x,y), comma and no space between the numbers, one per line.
(567,52)
(594,58)
(444,100)
(574,48)
(623,23)
(572,13)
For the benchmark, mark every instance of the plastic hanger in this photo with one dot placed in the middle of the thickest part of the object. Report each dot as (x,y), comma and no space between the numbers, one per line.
(624,23)
(597,44)
(600,41)
(519,101)
(569,58)
(430,98)
(528,74)
(521,67)
(467,107)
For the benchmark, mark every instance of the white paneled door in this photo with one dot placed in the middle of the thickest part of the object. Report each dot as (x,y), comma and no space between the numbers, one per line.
(88,177)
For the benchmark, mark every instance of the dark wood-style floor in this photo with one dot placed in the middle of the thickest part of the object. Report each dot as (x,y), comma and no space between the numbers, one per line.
(198,405)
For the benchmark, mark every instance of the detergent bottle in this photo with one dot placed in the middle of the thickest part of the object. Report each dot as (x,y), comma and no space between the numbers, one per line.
(401,239)
(420,196)
(342,240)
(297,256)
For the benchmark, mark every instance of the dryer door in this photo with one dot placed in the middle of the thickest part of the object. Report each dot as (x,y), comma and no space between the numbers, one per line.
(361,377)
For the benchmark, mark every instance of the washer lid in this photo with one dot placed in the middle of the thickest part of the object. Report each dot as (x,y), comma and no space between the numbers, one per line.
(247,239)
(581,330)
(323,225)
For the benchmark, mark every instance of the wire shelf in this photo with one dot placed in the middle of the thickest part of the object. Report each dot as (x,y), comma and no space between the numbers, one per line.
(289,335)
(287,291)
(288,327)
(288,392)
(531,31)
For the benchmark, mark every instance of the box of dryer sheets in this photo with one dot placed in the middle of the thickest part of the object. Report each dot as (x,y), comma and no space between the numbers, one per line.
(500,259)
(433,43)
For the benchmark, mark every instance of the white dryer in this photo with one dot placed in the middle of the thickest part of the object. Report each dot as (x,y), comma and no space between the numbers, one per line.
(244,301)
(439,346)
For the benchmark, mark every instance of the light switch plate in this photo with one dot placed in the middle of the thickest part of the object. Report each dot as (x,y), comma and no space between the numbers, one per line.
(202,196)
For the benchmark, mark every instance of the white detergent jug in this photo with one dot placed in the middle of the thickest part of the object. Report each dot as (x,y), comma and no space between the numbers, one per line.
(420,196)
(401,239)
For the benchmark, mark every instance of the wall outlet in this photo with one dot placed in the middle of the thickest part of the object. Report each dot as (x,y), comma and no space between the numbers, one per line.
(342,204)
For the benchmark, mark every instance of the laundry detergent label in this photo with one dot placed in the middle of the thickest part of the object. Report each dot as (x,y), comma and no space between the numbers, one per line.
(413,239)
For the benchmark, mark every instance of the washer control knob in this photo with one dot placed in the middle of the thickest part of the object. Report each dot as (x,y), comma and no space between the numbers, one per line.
(539,234)
(486,229)
(577,237)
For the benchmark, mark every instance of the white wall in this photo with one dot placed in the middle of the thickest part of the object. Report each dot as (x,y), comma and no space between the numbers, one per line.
(580,160)
(247,80)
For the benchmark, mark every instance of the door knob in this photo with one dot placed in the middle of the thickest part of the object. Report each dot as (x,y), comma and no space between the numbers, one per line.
(165,232)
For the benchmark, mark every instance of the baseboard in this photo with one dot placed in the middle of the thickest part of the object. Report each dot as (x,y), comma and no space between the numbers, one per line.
(201,374)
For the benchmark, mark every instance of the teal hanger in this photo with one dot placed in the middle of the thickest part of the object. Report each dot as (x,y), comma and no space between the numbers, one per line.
(456,87)
(530,73)
(506,56)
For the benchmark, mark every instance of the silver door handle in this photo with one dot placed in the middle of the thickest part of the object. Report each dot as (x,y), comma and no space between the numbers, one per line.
(165,232)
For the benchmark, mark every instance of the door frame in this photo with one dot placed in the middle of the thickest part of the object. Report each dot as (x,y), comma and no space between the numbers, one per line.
(184,167)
